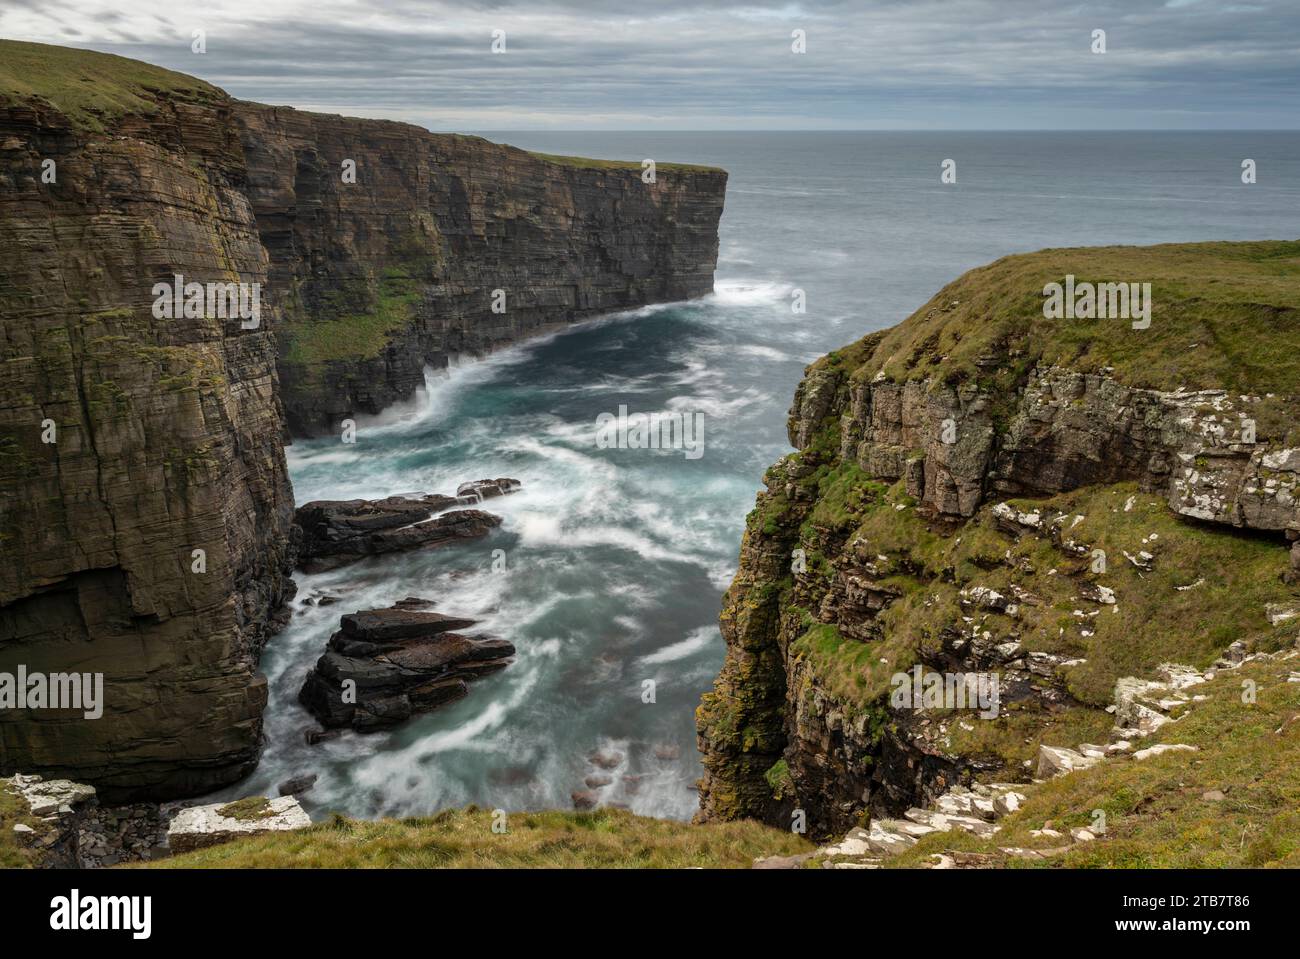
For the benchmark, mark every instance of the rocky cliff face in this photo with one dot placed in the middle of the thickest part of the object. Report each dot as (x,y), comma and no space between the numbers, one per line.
(400,266)
(164,437)
(147,523)
(983,491)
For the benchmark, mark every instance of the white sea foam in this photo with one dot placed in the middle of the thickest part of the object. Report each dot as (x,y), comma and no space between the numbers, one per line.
(749,292)
(697,639)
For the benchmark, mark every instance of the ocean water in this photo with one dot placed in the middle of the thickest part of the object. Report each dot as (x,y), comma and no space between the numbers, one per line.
(615,560)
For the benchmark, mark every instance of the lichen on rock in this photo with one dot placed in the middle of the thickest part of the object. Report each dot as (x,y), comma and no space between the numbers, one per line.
(980,489)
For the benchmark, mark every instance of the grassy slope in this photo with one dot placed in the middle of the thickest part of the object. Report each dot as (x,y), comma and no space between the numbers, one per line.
(463,838)
(1235,310)
(1153,621)
(1225,315)
(1157,813)
(313,342)
(91,88)
(13,810)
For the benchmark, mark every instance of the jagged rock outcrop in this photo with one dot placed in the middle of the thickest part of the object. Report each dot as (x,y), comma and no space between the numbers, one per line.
(1072,429)
(385,665)
(147,517)
(338,532)
(886,542)
(58,809)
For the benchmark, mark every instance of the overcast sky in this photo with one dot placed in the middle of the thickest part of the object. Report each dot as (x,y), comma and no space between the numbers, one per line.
(701,64)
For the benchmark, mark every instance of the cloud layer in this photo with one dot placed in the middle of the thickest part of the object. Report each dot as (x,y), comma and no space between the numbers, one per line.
(674,64)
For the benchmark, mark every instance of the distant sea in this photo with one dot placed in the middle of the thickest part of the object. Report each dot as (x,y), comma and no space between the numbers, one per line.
(615,560)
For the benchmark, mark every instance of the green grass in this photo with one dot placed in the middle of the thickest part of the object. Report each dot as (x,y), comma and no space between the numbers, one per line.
(1156,813)
(248,809)
(1225,315)
(588,163)
(844,493)
(927,567)
(92,89)
(13,810)
(464,838)
(351,336)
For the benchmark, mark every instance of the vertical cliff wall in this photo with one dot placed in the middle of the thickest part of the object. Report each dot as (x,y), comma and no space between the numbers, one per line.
(394,268)
(165,436)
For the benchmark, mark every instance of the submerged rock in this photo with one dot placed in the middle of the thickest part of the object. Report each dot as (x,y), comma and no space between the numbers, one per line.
(385,665)
(487,488)
(296,785)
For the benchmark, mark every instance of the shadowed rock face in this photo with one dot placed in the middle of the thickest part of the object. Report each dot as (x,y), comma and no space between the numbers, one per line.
(402,661)
(169,432)
(431,227)
(169,439)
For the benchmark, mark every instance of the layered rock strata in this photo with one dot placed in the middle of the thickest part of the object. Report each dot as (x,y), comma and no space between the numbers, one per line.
(978,491)
(384,666)
(146,526)
(338,532)
(147,516)
(443,245)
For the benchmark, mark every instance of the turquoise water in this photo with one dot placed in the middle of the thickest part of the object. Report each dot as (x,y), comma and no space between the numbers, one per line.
(615,560)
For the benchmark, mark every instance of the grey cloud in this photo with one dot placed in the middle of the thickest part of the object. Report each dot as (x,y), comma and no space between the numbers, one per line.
(928,64)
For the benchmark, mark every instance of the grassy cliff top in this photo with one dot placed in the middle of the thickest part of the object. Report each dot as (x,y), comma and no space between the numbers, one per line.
(587,163)
(1224,315)
(91,88)
(603,839)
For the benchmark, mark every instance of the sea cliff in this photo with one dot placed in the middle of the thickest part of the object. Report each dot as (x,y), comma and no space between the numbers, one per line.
(147,525)
(1064,504)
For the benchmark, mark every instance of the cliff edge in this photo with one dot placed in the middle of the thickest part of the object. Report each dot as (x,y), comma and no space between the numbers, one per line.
(981,491)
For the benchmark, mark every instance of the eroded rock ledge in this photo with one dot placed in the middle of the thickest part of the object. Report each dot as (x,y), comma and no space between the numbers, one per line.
(338,532)
(385,665)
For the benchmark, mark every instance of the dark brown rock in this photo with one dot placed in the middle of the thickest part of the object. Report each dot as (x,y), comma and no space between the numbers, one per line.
(170,432)
(385,665)
(297,785)
(338,532)
(169,439)
(606,759)
(385,625)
